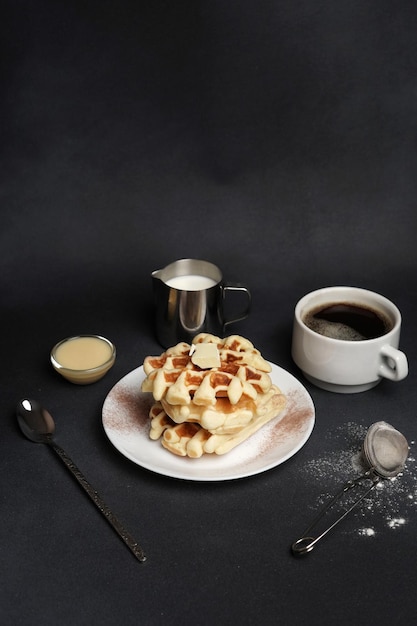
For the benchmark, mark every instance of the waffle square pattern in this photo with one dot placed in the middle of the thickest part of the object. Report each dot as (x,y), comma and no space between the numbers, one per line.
(200,408)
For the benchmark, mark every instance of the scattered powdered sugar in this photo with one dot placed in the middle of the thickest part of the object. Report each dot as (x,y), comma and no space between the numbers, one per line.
(390,504)
(396,522)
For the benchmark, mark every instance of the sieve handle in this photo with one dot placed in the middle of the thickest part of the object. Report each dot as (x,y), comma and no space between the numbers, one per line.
(306,543)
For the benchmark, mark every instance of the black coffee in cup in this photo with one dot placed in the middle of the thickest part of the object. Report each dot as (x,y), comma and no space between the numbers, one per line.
(347,321)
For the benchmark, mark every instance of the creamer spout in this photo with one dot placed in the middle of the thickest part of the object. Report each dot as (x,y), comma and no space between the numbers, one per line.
(157,274)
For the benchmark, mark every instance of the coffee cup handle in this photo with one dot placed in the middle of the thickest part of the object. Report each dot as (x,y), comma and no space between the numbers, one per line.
(394,363)
(234,287)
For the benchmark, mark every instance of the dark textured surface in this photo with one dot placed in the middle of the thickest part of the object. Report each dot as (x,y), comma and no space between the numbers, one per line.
(275,139)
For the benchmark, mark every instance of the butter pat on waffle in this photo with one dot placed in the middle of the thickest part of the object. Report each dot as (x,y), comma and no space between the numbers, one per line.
(200,408)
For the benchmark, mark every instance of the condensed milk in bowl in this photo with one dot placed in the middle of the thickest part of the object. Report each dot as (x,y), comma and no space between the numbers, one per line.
(83,359)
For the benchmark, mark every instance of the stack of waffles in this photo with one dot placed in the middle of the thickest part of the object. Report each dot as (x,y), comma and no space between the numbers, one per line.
(211,403)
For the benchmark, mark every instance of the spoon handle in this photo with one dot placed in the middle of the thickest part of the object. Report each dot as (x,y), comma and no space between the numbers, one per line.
(99,502)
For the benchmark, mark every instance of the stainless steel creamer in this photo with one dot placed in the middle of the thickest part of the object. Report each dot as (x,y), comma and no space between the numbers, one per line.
(189,297)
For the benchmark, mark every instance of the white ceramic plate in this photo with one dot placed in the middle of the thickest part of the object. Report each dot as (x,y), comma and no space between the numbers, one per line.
(126,423)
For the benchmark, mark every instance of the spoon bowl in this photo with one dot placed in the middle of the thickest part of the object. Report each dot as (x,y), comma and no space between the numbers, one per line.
(35,422)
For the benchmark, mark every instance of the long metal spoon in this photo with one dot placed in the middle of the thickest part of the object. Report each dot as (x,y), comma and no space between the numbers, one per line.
(38,426)
(385,450)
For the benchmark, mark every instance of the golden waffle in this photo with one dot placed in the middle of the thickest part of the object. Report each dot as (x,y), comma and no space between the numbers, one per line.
(209,410)
(174,377)
(192,440)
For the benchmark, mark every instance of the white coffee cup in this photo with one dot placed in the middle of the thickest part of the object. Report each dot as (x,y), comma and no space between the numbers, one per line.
(340,364)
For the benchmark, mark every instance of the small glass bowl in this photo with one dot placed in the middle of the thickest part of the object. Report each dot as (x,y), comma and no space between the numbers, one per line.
(93,368)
